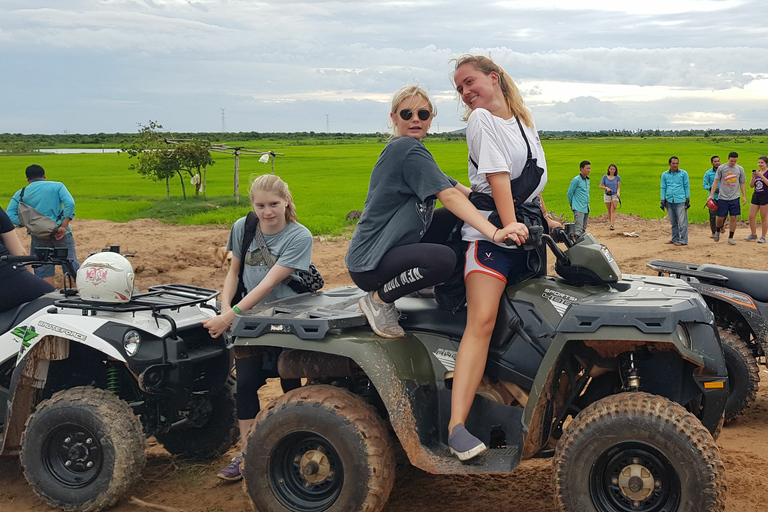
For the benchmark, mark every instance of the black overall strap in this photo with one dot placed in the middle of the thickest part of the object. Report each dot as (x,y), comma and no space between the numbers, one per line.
(251,225)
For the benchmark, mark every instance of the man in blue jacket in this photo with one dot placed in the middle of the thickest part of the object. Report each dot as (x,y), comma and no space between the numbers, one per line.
(53,200)
(578,197)
(676,199)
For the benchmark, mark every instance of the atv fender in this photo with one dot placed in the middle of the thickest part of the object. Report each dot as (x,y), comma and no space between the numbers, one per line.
(705,353)
(394,366)
(742,305)
(51,342)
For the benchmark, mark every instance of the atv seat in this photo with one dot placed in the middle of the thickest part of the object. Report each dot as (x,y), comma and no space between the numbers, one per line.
(425,315)
(751,282)
(13,316)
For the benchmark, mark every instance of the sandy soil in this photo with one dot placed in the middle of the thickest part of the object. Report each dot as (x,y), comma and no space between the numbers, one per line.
(183,254)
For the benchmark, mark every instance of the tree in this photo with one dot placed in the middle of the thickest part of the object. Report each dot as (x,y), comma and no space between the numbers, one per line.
(154,160)
(193,157)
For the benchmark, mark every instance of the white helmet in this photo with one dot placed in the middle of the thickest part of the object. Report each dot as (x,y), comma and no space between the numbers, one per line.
(105,277)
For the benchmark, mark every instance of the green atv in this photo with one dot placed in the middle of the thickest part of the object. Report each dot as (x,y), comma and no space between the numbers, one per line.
(621,379)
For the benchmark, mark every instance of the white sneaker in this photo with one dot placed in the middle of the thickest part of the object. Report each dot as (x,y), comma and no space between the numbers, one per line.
(731,242)
(750,238)
(382,317)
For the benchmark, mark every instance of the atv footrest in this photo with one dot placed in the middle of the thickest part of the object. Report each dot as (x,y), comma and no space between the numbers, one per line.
(308,316)
(494,460)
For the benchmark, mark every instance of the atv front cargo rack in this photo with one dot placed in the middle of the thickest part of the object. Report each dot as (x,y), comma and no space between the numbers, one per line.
(677,268)
(164,296)
(308,316)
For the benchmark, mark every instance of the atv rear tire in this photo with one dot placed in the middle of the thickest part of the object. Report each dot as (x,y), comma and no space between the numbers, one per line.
(638,452)
(82,449)
(212,439)
(743,375)
(318,448)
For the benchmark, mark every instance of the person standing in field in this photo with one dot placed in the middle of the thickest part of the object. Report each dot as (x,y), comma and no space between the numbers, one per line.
(578,197)
(730,179)
(709,178)
(611,183)
(676,199)
(53,200)
(759,182)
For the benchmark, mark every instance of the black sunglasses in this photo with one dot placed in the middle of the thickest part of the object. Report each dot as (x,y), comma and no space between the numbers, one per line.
(407,113)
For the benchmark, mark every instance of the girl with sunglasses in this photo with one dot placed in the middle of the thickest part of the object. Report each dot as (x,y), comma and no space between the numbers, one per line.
(497,154)
(396,248)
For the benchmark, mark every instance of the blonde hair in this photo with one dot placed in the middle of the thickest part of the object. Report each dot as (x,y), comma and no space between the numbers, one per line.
(407,92)
(273,184)
(508,87)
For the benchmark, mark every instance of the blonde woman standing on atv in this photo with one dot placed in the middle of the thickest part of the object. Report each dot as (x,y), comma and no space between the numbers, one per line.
(500,131)
(397,247)
(290,247)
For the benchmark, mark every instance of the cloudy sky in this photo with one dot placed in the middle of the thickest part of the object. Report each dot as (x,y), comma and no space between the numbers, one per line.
(87,66)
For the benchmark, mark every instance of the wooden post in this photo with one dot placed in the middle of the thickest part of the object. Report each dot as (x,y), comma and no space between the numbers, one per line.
(237,176)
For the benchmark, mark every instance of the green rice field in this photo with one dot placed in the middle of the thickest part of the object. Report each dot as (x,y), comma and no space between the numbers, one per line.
(330,179)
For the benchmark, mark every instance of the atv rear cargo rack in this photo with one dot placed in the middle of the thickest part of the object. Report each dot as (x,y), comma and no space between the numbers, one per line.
(156,298)
(308,315)
(677,268)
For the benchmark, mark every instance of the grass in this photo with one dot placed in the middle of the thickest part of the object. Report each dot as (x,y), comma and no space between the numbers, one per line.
(330,178)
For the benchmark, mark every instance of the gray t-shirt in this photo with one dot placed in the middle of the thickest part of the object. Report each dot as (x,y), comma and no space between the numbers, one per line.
(400,202)
(291,247)
(730,180)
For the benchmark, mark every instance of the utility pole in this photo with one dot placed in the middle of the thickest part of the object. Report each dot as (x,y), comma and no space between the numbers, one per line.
(327,124)
(223,122)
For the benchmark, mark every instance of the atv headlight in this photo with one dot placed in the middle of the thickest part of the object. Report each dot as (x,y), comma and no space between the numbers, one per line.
(681,333)
(132,342)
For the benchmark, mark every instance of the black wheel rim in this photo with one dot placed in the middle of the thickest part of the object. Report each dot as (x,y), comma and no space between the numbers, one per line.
(634,477)
(297,491)
(73,455)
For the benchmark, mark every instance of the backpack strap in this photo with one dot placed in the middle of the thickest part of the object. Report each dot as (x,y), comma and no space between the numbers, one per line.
(21,196)
(251,225)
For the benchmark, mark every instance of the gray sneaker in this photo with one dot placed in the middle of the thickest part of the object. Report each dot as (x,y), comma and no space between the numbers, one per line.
(750,238)
(463,444)
(716,236)
(231,473)
(382,317)
(762,240)
(731,242)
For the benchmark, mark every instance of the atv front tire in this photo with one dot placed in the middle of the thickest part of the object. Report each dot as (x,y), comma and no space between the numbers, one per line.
(638,452)
(743,375)
(82,449)
(318,448)
(211,439)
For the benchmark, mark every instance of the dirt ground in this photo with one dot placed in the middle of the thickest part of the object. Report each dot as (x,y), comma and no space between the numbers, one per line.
(184,254)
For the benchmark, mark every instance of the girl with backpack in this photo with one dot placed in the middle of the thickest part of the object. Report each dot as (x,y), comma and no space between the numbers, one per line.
(504,150)
(289,247)
(396,248)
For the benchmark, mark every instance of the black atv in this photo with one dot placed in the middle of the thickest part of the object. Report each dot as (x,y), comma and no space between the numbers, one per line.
(739,299)
(621,379)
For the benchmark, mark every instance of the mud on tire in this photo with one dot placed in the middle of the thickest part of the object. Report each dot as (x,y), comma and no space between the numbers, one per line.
(212,439)
(743,375)
(318,448)
(82,449)
(638,452)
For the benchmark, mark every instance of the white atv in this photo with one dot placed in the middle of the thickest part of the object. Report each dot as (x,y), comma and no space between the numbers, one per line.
(84,382)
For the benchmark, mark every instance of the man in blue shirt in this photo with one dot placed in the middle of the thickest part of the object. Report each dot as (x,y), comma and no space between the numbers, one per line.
(676,199)
(709,178)
(53,200)
(578,197)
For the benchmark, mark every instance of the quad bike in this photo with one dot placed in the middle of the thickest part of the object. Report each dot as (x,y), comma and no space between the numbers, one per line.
(739,300)
(83,383)
(623,376)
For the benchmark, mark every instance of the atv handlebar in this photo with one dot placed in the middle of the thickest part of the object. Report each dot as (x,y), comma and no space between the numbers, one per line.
(44,256)
(536,236)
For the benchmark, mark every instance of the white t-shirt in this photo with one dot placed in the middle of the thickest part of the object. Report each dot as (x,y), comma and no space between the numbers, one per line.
(496,145)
